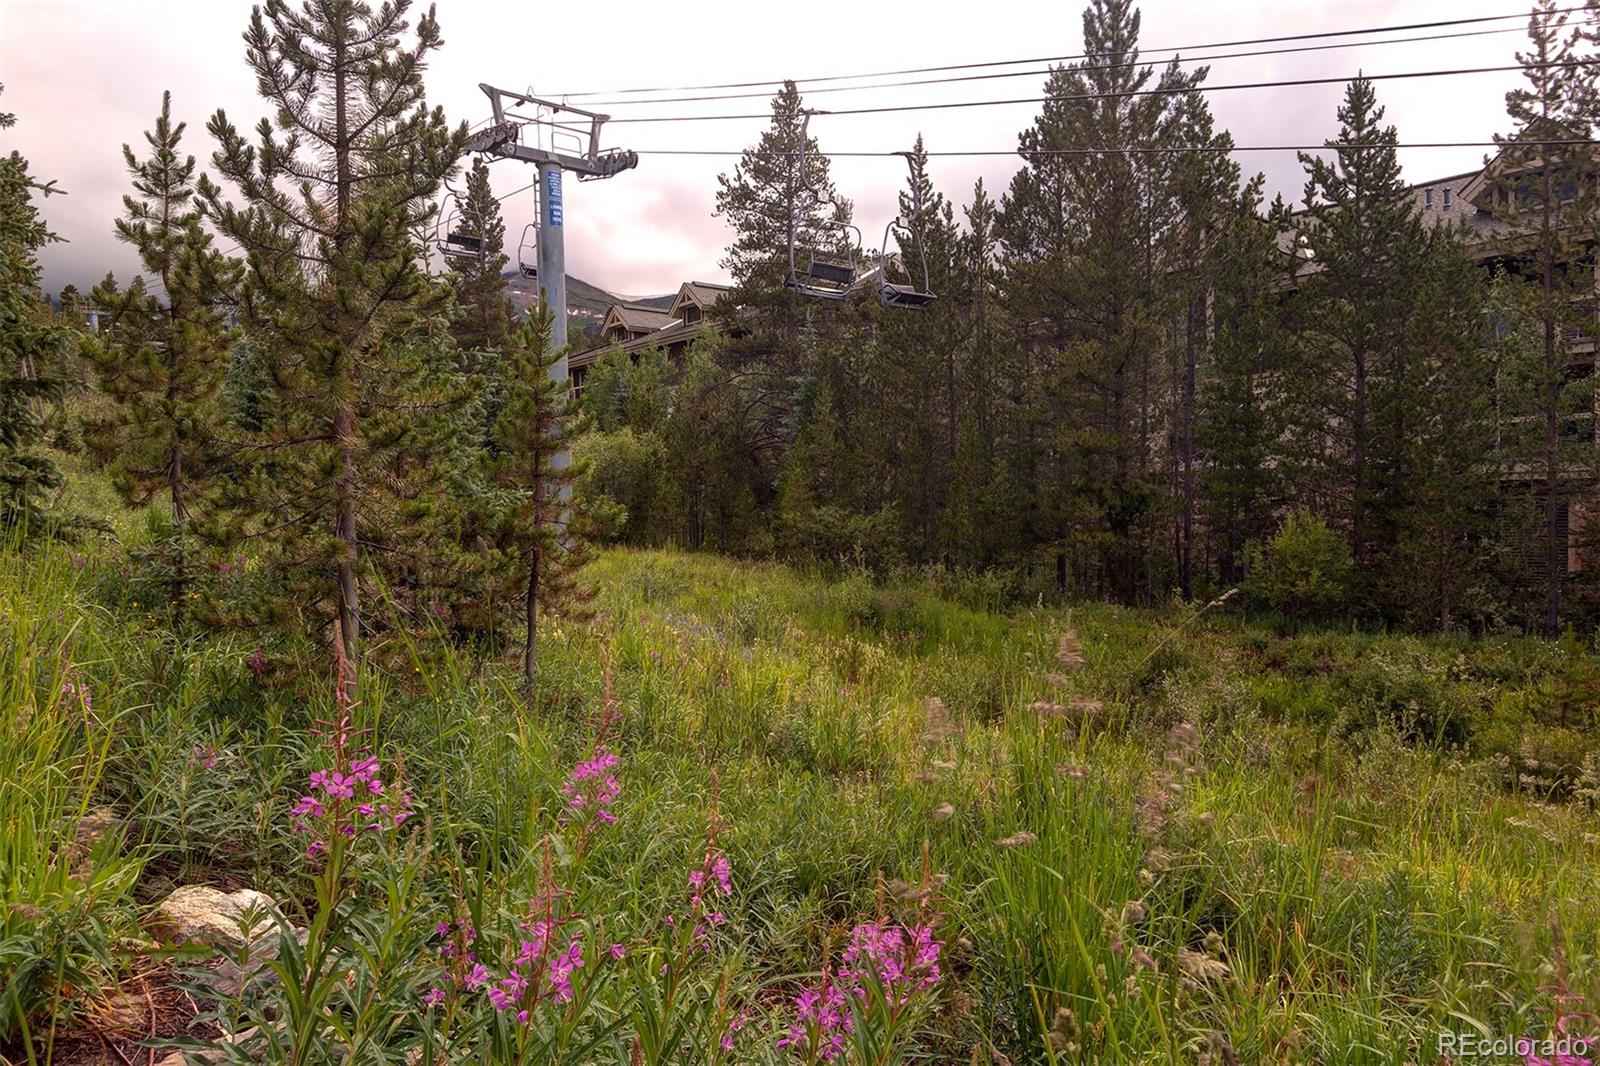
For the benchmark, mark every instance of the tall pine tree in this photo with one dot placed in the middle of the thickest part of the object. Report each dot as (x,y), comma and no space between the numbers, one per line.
(1546,191)
(338,306)
(1362,238)
(539,532)
(161,356)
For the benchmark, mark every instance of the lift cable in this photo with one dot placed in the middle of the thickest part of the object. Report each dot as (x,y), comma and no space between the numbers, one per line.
(1359,31)
(1128,94)
(1040,71)
(1168,150)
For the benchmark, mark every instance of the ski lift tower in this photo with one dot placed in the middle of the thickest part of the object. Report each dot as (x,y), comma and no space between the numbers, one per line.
(563,138)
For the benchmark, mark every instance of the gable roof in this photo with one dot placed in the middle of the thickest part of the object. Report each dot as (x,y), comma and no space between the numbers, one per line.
(636,318)
(701,294)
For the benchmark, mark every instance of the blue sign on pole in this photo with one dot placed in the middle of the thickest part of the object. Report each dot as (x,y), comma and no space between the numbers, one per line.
(552,198)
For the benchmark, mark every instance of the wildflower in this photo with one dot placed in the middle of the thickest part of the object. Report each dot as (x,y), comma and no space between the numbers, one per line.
(729,1035)
(591,787)
(943,812)
(331,807)
(1069,650)
(1201,968)
(433,997)
(822,1019)
(617,952)
(899,960)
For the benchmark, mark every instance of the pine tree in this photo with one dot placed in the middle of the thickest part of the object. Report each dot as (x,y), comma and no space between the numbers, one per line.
(764,197)
(1438,571)
(1083,236)
(540,535)
(1239,419)
(487,319)
(1204,185)
(913,379)
(1362,237)
(33,348)
(338,306)
(1545,190)
(161,356)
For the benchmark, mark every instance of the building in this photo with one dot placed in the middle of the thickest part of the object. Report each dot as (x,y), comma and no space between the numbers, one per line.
(635,328)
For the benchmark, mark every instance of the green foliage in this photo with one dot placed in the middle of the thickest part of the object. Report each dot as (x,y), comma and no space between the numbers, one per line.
(541,529)
(33,348)
(160,359)
(357,430)
(1304,570)
(1309,835)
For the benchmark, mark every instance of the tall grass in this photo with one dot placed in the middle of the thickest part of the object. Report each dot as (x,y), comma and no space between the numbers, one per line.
(1198,838)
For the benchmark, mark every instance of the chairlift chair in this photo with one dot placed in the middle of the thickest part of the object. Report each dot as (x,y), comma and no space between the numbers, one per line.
(528,251)
(892,294)
(821,272)
(827,274)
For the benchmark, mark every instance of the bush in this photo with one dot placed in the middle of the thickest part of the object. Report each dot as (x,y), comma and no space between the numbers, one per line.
(1304,571)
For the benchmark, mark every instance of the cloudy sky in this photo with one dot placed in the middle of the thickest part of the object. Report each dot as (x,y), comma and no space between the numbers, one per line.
(85,76)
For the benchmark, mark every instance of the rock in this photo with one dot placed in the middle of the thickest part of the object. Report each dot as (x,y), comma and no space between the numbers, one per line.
(200,914)
(195,1058)
(96,823)
(124,1012)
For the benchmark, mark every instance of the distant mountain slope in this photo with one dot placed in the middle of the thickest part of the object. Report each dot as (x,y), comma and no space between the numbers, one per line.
(583,300)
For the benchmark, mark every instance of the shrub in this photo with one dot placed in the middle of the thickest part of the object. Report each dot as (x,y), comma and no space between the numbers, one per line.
(1304,570)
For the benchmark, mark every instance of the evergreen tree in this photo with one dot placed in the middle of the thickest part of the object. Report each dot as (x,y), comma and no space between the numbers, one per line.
(338,306)
(1083,236)
(1239,417)
(767,194)
(1362,238)
(1204,186)
(487,319)
(540,532)
(1438,571)
(160,356)
(913,379)
(980,513)
(1545,190)
(33,347)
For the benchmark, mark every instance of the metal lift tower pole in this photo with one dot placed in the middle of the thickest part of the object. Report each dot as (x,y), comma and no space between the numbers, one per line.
(553,259)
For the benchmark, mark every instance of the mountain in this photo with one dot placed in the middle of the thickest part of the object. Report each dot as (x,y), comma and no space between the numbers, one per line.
(584,301)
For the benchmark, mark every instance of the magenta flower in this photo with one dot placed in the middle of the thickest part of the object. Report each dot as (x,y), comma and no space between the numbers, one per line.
(331,806)
(822,1020)
(591,788)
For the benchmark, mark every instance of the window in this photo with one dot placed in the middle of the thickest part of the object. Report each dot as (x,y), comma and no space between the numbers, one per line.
(1447,198)
(1427,199)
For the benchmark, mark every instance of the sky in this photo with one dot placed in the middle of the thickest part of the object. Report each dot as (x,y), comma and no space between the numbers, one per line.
(86,76)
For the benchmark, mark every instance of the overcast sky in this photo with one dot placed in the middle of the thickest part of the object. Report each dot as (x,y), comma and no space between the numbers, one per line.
(85,76)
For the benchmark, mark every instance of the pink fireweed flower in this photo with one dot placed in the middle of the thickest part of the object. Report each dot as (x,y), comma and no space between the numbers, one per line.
(822,1019)
(347,799)
(433,997)
(898,960)
(591,788)
(731,1033)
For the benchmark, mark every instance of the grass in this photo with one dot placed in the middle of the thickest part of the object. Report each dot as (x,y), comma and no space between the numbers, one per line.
(1207,838)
